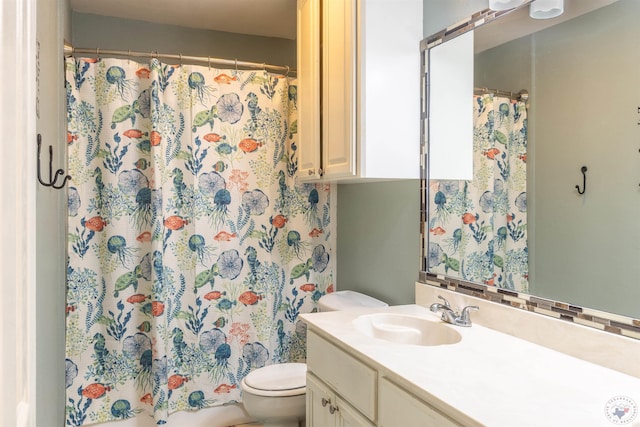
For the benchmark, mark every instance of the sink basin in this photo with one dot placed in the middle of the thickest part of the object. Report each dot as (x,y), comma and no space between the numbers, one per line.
(405,329)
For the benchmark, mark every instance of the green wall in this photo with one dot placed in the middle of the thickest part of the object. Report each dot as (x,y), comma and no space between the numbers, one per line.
(586,92)
(51,209)
(439,14)
(378,239)
(104,32)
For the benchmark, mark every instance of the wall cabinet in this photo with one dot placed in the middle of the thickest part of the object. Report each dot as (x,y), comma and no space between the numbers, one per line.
(359,89)
(344,391)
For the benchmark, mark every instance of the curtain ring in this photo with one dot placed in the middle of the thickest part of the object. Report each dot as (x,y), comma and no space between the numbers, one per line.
(236,65)
(129,60)
(181,59)
(264,67)
(287,74)
(209,62)
(98,53)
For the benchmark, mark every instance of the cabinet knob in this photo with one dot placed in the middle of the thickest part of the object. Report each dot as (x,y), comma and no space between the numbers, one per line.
(312,171)
(332,409)
(325,402)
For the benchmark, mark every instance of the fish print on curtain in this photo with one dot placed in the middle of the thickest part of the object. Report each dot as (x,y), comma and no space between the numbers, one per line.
(478,228)
(191,250)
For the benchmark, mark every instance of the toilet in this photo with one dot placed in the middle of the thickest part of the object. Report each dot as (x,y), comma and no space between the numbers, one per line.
(275,395)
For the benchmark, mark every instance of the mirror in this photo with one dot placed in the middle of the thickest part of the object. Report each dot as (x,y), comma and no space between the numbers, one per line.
(578,238)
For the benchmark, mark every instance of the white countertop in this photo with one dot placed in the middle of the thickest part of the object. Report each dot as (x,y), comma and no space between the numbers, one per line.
(491,378)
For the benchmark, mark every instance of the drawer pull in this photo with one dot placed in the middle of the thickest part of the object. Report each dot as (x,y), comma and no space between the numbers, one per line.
(332,409)
(325,402)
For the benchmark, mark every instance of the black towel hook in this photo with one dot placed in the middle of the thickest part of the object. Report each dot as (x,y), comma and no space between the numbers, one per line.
(52,178)
(583,169)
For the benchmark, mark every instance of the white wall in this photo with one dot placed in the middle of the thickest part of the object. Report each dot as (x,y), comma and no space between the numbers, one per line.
(17,198)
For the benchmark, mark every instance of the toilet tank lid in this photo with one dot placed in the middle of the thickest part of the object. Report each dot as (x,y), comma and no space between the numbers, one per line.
(283,376)
(342,300)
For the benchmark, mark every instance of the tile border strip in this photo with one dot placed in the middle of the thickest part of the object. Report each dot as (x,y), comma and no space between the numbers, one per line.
(607,322)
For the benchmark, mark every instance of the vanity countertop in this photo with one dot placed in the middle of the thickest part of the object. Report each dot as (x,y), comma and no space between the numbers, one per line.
(488,378)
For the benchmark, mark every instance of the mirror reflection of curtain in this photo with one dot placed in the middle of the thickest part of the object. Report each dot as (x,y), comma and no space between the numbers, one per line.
(478,228)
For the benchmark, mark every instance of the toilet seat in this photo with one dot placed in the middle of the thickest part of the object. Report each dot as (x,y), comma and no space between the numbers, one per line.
(280,380)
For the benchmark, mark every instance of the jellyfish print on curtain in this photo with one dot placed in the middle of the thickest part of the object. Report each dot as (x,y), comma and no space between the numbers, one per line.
(191,250)
(478,228)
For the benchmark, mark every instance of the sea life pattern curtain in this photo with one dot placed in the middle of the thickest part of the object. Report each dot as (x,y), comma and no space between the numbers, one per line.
(478,228)
(191,249)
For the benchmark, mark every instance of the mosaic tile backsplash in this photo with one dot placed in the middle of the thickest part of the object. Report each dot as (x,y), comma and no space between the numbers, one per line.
(608,322)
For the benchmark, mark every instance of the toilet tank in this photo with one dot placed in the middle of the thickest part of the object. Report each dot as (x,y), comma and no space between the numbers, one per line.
(344,300)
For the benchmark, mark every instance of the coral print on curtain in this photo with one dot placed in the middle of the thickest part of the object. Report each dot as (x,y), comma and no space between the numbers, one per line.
(191,251)
(478,228)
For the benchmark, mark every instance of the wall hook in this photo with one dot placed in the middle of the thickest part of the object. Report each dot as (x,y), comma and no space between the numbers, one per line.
(52,178)
(583,169)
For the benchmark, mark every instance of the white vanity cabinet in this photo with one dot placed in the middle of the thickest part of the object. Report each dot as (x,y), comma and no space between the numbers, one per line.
(345,391)
(341,390)
(359,89)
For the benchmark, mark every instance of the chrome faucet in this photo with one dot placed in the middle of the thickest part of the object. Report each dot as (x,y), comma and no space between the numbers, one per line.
(449,315)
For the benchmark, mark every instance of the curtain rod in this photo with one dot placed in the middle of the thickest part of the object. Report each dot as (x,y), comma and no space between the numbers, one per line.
(523,95)
(204,60)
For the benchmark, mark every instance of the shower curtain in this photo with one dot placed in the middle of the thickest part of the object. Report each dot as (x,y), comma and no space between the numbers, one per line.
(478,228)
(191,252)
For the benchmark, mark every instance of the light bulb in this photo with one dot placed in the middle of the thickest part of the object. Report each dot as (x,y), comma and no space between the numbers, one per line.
(546,9)
(504,4)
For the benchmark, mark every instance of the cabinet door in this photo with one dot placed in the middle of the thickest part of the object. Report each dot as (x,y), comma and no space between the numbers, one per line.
(319,400)
(349,417)
(397,407)
(345,374)
(308,65)
(339,88)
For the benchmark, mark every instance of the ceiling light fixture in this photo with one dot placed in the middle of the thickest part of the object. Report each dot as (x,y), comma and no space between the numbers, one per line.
(546,9)
(504,4)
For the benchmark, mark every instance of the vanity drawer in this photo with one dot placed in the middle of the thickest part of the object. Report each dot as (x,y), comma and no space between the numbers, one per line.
(398,407)
(349,377)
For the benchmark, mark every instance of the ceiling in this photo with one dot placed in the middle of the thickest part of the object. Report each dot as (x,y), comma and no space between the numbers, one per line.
(269,18)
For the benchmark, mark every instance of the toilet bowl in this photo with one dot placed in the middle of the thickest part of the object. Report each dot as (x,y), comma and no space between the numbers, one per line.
(275,395)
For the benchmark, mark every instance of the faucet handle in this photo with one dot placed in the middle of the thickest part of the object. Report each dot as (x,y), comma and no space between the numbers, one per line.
(446,303)
(465,318)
